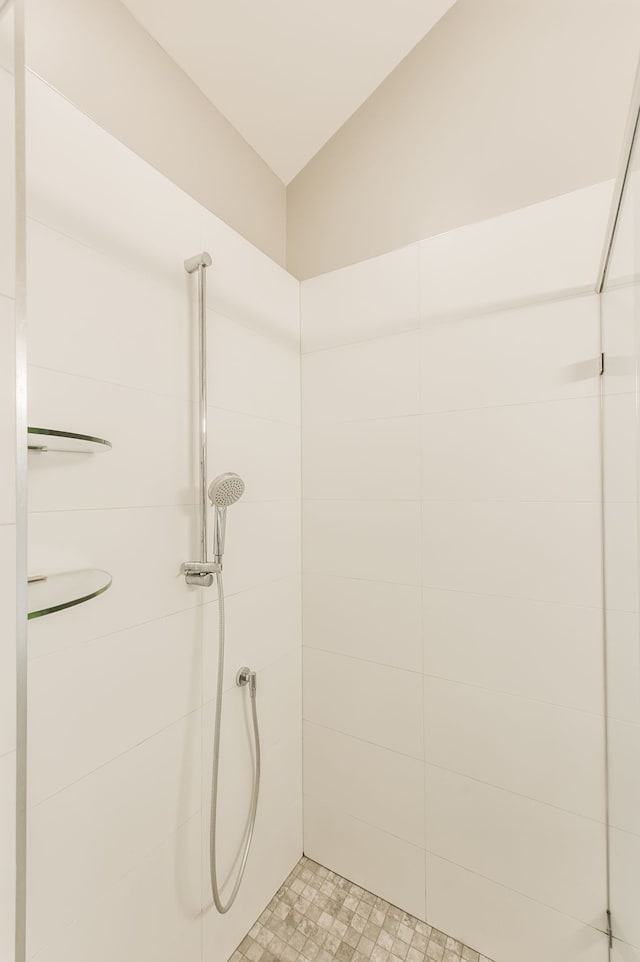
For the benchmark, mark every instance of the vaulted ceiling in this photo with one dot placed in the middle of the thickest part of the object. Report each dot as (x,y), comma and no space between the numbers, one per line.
(288,73)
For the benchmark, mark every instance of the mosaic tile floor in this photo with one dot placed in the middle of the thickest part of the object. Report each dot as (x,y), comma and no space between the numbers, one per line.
(318,916)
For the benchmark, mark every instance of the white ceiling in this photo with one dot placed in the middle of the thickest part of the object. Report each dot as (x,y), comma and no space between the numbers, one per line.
(288,73)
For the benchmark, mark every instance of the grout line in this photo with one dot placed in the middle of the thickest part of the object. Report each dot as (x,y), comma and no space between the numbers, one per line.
(427,763)
(362,821)
(150,621)
(475,408)
(150,507)
(183,399)
(198,709)
(503,692)
(460,591)
(114,883)
(582,292)
(474,501)
(523,895)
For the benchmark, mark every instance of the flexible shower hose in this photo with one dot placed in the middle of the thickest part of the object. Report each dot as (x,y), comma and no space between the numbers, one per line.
(221,906)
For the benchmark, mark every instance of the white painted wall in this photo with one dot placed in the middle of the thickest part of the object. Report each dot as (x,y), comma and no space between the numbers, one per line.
(7,489)
(620,315)
(503,104)
(453,688)
(98,56)
(121,689)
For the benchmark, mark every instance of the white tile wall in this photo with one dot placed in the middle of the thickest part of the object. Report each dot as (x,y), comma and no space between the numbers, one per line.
(375,540)
(122,687)
(507,644)
(372,858)
(513,841)
(543,250)
(380,787)
(482,912)
(376,703)
(489,500)
(375,460)
(370,299)
(543,352)
(525,746)
(358,618)
(379,378)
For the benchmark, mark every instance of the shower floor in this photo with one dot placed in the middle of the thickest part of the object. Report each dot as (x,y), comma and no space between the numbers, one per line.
(318,916)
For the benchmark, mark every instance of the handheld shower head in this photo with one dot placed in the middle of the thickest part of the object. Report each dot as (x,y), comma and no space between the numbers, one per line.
(224,491)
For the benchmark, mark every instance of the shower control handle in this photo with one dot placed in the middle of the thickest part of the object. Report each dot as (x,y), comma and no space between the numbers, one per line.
(247,677)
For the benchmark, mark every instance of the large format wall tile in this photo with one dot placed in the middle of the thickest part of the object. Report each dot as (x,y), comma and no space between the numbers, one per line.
(142,548)
(536,251)
(375,297)
(263,451)
(513,841)
(376,703)
(372,379)
(623,665)
(502,921)
(251,371)
(622,952)
(377,861)
(87,837)
(373,620)
(122,688)
(262,623)
(625,885)
(164,885)
(506,523)
(544,551)
(362,460)
(150,672)
(526,452)
(545,352)
(377,786)
(374,540)
(624,774)
(151,460)
(551,754)
(115,322)
(508,645)
(87,185)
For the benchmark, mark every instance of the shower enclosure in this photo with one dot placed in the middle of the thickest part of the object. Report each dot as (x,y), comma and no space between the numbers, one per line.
(620,319)
(469,459)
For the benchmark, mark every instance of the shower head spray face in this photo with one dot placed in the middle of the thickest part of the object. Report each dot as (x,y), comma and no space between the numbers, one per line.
(224,491)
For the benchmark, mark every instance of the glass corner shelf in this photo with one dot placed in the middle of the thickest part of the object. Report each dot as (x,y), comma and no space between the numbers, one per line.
(49,593)
(46,439)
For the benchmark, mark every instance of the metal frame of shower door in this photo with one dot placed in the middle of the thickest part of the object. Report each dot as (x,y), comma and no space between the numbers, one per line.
(19,79)
(632,131)
(622,179)
(201,572)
